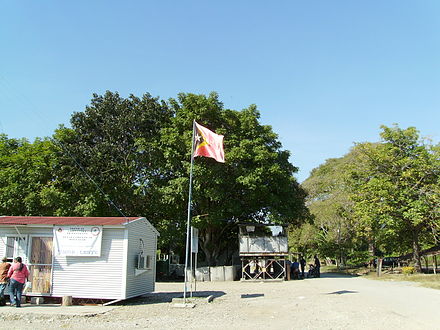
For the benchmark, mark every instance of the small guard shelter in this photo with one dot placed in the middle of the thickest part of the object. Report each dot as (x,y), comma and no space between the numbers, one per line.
(108,258)
(263,251)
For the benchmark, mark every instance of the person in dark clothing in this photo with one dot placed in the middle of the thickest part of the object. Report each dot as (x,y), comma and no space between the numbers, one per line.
(317,266)
(295,269)
(302,262)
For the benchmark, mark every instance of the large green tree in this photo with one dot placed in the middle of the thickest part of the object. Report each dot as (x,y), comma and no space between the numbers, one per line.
(379,198)
(102,165)
(27,180)
(328,199)
(255,184)
(396,189)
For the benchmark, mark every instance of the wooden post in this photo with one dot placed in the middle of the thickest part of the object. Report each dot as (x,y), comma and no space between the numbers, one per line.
(379,267)
(288,270)
(67,301)
(434,261)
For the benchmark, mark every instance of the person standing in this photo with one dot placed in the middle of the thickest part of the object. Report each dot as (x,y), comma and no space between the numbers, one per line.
(317,266)
(295,269)
(302,262)
(18,273)
(4,268)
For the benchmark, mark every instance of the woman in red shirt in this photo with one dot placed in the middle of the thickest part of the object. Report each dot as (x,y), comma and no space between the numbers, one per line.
(18,274)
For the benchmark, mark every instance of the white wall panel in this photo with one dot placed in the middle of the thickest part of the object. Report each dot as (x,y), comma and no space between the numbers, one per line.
(92,277)
(144,282)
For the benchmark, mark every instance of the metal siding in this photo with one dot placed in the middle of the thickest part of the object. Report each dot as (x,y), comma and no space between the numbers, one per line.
(143,283)
(92,277)
(2,245)
(24,231)
(124,265)
(243,244)
(268,244)
(11,231)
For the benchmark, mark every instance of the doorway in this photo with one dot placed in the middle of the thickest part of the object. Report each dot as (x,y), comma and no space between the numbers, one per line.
(40,265)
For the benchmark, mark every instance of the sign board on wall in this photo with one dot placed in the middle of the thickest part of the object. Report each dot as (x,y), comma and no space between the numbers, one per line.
(78,241)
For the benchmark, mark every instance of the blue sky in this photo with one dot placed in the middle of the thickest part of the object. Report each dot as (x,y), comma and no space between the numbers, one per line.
(324,74)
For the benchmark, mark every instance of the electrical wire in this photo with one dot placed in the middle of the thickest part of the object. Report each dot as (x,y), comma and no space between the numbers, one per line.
(21,98)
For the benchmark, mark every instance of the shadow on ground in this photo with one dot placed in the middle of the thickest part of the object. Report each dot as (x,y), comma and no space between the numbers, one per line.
(253,295)
(343,292)
(336,275)
(166,297)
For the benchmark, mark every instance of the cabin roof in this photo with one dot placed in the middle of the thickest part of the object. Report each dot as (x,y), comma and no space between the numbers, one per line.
(84,221)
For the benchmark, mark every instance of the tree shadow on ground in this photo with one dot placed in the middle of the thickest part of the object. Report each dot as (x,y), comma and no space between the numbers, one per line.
(166,297)
(342,292)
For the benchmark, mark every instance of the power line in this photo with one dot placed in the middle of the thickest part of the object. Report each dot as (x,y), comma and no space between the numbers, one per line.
(88,176)
(30,106)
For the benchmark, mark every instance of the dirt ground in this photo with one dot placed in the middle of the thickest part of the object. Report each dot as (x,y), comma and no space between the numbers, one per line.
(331,302)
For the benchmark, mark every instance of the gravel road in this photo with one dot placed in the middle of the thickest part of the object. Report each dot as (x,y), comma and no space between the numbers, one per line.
(330,302)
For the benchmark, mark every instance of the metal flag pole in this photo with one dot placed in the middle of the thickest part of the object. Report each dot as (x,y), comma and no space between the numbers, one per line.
(191,264)
(188,224)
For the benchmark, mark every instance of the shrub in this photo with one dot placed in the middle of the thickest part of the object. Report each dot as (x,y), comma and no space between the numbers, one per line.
(408,270)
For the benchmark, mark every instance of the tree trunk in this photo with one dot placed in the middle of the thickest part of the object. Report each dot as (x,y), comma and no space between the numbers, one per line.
(209,246)
(416,251)
(213,243)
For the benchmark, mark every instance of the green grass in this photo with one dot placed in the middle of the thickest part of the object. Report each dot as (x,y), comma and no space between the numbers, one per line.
(425,280)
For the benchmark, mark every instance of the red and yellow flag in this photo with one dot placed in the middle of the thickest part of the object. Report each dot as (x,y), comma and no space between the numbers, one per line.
(208,143)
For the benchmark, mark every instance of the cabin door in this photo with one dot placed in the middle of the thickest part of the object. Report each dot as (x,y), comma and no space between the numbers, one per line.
(40,265)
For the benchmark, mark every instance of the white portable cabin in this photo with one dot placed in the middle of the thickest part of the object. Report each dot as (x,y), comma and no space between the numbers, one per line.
(110,258)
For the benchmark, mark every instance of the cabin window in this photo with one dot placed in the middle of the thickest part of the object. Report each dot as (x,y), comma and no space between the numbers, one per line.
(15,247)
(143,261)
(10,243)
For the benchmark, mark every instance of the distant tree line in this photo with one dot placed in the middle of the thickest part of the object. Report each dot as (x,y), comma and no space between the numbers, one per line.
(135,152)
(380,199)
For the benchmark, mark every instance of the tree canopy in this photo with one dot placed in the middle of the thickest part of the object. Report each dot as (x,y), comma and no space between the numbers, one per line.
(333,230)
(108,154)
(396,189)
(380,198)
(27,177)
(256,182)
(131,156)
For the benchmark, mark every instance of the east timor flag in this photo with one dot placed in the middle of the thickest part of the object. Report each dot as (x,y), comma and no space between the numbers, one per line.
(208,144)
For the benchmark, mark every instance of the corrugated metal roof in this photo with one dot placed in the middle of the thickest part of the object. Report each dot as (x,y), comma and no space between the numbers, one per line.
(85,221)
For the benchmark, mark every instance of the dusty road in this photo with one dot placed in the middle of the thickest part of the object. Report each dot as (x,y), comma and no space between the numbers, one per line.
(330,302)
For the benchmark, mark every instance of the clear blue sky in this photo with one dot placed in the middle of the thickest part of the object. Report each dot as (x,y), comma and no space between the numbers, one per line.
(324,74)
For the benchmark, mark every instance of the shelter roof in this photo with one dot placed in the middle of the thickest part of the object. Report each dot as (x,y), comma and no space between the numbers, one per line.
(435,250)
(84,221)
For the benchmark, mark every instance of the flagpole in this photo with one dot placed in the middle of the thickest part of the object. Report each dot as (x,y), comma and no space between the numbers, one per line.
(188,223)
